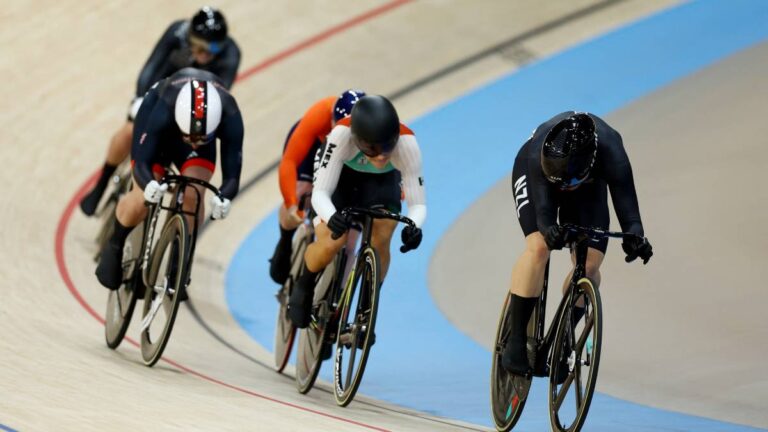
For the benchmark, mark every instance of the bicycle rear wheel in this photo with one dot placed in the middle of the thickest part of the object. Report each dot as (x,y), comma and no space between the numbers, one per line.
(285,332)
(166,279)
(357,318)
(508,391)
(575,360)
(121,302)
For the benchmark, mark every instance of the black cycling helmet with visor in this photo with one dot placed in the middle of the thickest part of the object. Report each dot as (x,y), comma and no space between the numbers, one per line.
(569,151)
(375,125)
(208,30)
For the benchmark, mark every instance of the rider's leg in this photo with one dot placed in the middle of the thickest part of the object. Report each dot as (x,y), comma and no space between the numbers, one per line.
(190,197)
(280,263)
(318,255)
(527,283)
(594,261)
(119,148)
(381,237)
(129,212)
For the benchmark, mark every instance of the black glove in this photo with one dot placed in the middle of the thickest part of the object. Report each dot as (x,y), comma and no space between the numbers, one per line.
(411,237)
(554,236)
(636,247)
(338,224)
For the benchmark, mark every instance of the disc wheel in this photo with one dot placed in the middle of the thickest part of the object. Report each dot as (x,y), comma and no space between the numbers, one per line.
(357,319)
(575,361)
(166,280)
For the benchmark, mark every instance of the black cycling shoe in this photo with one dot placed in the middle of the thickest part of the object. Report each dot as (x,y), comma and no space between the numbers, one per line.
(514,359)
(109,272)
(280,263)
(90,202)
(300,306)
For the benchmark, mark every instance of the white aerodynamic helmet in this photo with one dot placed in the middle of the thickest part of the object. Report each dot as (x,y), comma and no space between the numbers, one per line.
(198,111)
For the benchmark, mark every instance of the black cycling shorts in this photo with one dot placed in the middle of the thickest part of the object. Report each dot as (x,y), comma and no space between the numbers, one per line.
(184,156)
(359,189)
(587,205)
(305,171)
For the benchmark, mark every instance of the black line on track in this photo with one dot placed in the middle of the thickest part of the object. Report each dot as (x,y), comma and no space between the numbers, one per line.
(498,48)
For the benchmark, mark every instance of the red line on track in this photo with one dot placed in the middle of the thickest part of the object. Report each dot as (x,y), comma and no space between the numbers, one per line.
(314,40)
(61,229)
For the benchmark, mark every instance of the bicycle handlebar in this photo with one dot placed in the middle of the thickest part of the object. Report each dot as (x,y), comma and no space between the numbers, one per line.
(594,234)
(173,178)
(377,213)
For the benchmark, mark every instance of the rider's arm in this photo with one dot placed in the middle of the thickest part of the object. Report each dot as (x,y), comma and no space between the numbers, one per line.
(315,122)
(228,63)
(153,68)
(618,174)
(407,158)
(539,187)
(230,132)
(152,120)
(337,150)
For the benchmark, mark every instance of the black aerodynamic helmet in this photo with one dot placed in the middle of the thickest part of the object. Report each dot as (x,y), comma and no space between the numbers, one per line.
(569,151)
(375,124)
(209,25)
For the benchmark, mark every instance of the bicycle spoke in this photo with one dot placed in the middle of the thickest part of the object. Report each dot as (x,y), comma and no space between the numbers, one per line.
(563,391)
(577,379)
(588,324)
(352,355)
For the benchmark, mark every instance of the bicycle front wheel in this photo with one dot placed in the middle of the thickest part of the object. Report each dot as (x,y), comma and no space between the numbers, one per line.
(357,319)
(285,331)
(575,360)
(167,278)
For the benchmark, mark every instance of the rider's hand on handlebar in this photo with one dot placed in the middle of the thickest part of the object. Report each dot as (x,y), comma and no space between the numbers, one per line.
(554,236)
(220,207)
(411,237)
(153,192)
(339,224)
(635,247)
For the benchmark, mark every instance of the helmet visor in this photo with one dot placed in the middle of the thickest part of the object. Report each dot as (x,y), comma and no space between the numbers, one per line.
(200,44)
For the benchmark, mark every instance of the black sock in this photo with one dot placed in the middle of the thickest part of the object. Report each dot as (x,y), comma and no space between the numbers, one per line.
(307,277)
(521,309)
(286,235)
(120,234)
(106,174)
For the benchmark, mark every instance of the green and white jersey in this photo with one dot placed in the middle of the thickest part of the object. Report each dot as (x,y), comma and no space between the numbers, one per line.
(340,150)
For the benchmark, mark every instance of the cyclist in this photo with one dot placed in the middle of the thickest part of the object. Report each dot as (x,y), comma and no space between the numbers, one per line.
(296,167)
(178,122)
(361,164)
(568,164)
(201,42)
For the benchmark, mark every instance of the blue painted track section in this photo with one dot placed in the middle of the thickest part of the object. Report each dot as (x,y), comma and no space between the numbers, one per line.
(420,360)
(6,428)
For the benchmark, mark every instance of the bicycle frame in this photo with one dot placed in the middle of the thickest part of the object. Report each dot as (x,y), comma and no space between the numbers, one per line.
(544,342)
(175,207)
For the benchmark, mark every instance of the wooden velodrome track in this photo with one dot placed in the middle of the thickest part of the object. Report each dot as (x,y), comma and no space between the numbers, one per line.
(70,69)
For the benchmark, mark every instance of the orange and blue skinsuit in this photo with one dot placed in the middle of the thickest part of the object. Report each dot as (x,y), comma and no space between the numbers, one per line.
(303,140)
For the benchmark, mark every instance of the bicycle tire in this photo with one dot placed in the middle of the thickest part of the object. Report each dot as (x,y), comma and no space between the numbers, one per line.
(566,342)
(175,235)
(506,404)
(367,272)
(285,331)
(122,302)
